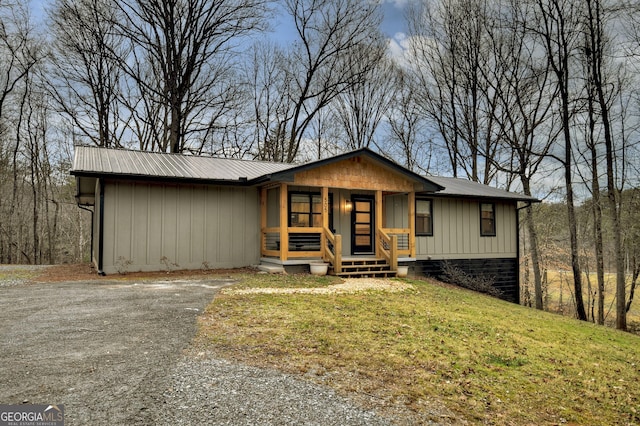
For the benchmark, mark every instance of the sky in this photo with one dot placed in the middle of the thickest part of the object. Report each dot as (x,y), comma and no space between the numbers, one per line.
(394,21)
(393,25)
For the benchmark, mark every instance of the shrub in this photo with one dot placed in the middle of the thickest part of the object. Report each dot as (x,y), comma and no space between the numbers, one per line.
(480,283)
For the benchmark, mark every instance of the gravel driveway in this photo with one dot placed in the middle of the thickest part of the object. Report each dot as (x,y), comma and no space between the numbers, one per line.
(114,353)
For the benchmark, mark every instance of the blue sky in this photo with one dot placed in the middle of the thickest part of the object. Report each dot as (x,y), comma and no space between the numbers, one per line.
(394,20)
(393,11)
(393,26)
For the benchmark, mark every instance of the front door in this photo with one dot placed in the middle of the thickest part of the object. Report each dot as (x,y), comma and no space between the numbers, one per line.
(362,225)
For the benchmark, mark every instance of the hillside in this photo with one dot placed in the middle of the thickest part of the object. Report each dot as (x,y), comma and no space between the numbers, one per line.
(480,359)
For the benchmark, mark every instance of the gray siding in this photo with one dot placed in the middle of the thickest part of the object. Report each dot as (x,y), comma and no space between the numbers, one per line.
(456,232)
(273,207)
(187,226)
(396,211)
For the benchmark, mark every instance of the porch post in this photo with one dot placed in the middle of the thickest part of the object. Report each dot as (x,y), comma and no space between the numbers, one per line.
(263,219)
(325,207)
(284,222)
(412,224)
(378,220)
(325,219)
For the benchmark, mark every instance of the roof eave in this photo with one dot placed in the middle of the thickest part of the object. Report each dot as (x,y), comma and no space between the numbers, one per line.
(523,199)
(240,181)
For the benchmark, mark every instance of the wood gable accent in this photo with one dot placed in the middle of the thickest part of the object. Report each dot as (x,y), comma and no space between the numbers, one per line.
(355,173)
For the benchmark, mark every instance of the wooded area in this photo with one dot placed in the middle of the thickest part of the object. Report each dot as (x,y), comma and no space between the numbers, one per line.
(538,96)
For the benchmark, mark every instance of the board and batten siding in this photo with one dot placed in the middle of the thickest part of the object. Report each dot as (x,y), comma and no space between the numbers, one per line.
(456,229)
(150,227)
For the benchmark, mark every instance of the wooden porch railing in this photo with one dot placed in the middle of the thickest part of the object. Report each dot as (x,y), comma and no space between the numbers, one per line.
(388,248)
(270,242)
(304,242)
(332,249)
(404,248)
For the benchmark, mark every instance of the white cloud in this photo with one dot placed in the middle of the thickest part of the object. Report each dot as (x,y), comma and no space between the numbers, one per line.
(398,45)
(399,4)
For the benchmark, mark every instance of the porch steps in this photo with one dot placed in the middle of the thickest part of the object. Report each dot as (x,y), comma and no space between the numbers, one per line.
(271,268)
(364,267)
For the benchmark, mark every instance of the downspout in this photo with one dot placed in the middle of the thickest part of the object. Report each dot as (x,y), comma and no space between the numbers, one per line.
(101,229)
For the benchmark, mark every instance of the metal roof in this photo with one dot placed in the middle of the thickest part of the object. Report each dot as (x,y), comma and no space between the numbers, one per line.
(95,161)
(90,161)
(457,187)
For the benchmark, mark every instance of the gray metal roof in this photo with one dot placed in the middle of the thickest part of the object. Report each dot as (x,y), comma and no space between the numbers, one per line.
(457,187)
(93,161)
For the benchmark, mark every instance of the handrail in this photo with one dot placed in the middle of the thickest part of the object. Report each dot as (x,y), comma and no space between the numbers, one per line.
(330,245)
(304,229)
(403,239)
(390,252)
(334,257)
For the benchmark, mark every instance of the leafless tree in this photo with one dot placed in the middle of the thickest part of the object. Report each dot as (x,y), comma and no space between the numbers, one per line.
(361,107)
(17,47)
(558,26)
(591,142)
(631,226)
(410,139)
(448,53)
(326,132)
(520,76)
(181,64)
(31,172)
(596,51)
(20,52)
(270,84)
(86,68)
(331,35)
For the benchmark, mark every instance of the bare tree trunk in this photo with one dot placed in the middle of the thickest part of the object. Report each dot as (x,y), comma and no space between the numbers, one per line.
(571,217)
(558,24)
(596,209)
(35,211)
(533,246)
(634,282)
(596,62)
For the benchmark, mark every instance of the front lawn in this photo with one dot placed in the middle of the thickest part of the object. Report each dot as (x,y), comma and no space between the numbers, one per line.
(485,360)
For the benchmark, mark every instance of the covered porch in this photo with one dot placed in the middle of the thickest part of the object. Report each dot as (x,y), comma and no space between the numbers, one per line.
(348,228)
(357,205)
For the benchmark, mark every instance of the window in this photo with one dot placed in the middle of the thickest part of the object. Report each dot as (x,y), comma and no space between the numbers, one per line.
(487,220)
(305,210)
(424,217)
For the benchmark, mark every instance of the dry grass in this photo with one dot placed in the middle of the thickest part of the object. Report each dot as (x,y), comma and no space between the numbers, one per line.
(560,297)
(482,359)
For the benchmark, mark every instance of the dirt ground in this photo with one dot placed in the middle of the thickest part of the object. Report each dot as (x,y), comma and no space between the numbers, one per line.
(85,272)
(102,346)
